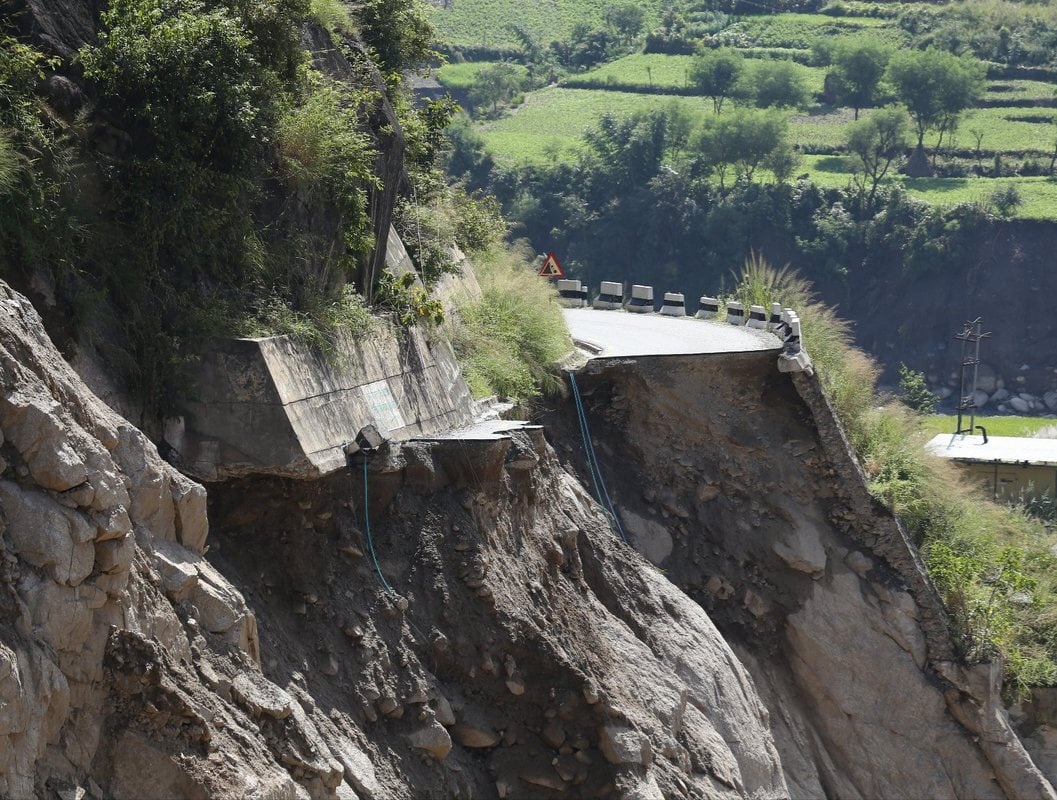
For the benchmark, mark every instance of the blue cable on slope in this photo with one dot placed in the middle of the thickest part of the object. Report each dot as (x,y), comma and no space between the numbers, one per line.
(367,527)
(592,461)
(585,437)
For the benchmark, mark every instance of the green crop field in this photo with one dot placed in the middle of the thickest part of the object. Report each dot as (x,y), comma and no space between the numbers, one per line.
(550,124)
(642,69)
(801,30)
(824,127)
(1039,194)
(557,118)
(655,69)
(999,90)
(462,76)
(487,23)
(1004,129)
(1008,129)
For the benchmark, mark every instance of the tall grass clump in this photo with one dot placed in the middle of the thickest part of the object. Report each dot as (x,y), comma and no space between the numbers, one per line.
(10,165)
(332,15)
(510,339)
(323,147)
(992,564)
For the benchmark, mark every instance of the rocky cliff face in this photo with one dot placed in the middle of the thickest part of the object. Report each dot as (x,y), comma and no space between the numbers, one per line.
(737,481)
(522,651)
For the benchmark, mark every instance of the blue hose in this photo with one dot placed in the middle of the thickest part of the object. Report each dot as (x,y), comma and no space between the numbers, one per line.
(367,527)
(592,462)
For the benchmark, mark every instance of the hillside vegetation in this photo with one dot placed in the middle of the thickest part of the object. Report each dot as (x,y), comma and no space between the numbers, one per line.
(1004,128)
(992,564)
(224,169)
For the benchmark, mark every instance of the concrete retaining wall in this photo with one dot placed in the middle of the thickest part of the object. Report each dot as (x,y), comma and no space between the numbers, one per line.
(275,406)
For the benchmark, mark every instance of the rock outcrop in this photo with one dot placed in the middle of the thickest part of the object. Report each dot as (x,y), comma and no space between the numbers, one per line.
(522,651)
(738,481)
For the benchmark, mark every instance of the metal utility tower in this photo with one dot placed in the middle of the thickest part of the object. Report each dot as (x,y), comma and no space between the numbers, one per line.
(967,400)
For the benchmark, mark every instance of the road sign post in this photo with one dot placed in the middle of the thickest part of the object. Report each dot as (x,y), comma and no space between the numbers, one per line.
(551,268)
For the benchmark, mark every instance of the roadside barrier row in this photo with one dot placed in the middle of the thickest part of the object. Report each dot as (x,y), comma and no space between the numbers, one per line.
(781,321)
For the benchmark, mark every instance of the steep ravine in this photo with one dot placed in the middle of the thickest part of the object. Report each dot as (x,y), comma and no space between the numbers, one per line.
(737,482)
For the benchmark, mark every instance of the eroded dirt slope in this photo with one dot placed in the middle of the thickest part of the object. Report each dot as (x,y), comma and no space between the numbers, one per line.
(736,481)
(524,652)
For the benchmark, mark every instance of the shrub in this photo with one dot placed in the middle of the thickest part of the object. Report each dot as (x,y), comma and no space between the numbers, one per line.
(148,70)
(332,15)
(321,326)
(406,298)
(323,147)
(776,83)
(10,163)
(1006,200)
(509,339)
(916,393)
(473,222)
(398,32)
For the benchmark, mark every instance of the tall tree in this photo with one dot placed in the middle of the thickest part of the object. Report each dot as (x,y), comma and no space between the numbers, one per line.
(495,84)
(936,86)
(716,74)
(875,143)
(859,66)
(776,83)
(744,140)
(626,18)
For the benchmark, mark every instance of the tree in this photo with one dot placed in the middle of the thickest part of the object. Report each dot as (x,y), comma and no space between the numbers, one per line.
(859,65)
(626,19)
(783,161)
(585,48)
(936,86)
(496,84)
(916,393)
(744,140)
(397,31)
(716,74)
(776,83)
(876,142)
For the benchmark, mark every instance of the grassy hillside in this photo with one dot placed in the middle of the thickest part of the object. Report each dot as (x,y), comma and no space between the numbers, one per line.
(559,116)
(1009,138)
(487,23)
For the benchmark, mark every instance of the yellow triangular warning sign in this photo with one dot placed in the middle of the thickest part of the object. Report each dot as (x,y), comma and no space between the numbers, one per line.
(551,268)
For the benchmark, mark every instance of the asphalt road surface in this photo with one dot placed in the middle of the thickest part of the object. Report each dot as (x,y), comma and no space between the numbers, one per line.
(619,334)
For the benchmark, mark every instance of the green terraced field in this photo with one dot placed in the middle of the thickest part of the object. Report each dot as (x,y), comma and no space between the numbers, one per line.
(551,122)
(462,76)
(1039,194)
(800,31)
(486,23)
(642,69)
(655,69)
(1004,129)
(557,118)
(999,89)
(1007,129)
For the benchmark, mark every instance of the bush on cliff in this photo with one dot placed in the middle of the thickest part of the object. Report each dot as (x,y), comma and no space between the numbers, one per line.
(510,338)
(992,564)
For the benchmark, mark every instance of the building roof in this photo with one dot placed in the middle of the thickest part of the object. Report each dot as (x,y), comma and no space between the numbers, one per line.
(999,449)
